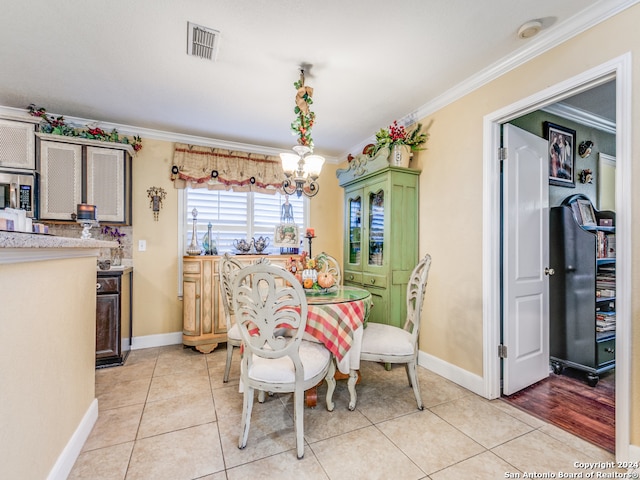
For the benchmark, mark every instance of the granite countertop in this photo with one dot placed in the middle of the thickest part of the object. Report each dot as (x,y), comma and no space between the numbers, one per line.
(36,240)
(118,270)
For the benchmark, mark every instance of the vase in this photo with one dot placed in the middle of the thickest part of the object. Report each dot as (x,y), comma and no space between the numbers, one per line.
(194,248)
(116,256)
(400,156)
(208,242)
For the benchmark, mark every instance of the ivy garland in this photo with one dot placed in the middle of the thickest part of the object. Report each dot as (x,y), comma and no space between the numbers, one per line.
(302,125)
(59,126)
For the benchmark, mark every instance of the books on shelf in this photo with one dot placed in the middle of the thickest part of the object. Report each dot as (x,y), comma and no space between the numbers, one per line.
(611,245)
(605,293)
(605,321)
(605,245)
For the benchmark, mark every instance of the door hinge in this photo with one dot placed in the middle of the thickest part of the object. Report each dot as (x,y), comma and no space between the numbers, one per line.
(502,154)
(502,351)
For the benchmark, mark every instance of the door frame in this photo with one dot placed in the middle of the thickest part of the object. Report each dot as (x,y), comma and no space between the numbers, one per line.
(619,69)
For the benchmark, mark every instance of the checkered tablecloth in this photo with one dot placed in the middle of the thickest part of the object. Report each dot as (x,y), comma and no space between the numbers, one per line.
(337,322)
(334,324)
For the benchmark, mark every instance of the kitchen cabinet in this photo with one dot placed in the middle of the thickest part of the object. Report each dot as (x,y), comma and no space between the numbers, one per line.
(113,316)
(204,325)
(581,291)
(74,171)
(381,237)
(17,145)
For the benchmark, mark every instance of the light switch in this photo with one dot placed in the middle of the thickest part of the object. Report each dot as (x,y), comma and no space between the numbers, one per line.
(142,245)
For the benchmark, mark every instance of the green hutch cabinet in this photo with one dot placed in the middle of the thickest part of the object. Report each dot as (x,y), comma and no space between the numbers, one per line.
(381,235)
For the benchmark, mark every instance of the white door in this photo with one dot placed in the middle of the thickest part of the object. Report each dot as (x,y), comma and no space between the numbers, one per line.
(525,197)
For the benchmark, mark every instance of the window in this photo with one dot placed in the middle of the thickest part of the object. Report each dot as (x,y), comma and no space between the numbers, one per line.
(237,216)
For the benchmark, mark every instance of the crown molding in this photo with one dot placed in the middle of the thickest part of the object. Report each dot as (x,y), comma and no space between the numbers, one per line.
(21,114)
(540,44)
(18,114)
(581,116)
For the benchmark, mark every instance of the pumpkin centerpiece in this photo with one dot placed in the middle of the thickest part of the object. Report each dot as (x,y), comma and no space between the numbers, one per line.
(310,272)
(326,280)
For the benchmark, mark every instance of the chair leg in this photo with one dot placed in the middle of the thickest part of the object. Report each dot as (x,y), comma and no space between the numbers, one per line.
(227,367)
(298,420)
(245,423)
(413,381)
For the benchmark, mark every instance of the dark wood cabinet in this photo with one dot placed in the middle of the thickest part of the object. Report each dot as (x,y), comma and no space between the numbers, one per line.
(113,316)
(582,289)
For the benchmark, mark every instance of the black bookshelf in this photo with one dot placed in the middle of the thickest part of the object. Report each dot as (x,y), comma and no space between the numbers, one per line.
(582,290)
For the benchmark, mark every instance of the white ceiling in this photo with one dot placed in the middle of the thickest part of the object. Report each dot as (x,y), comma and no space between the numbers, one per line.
(373,61)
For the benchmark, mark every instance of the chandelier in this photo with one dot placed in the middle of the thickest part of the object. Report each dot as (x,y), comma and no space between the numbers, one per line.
(301,169)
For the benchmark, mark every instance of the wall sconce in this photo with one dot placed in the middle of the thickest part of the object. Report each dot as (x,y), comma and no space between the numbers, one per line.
(156,196)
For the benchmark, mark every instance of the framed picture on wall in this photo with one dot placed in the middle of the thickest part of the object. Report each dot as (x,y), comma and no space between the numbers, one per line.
(286,235)
(562,142)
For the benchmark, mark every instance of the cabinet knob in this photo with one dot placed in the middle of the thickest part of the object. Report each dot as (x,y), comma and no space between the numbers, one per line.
(373,280)
(98,286)
(350,277)
(549,271)
(609,350)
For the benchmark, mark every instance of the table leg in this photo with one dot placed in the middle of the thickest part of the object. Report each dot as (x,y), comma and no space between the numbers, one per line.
(311,397)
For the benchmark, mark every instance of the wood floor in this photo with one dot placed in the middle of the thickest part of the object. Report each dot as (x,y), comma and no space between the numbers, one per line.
(569,403)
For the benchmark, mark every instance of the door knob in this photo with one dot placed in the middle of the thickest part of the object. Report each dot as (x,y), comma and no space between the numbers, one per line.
(549,271)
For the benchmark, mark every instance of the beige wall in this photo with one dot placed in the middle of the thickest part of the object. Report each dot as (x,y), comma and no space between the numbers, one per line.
(47,361)
(156,306)
(451,194)
(450,206)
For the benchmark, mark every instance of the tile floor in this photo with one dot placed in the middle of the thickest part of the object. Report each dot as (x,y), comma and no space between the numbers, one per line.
(167,415)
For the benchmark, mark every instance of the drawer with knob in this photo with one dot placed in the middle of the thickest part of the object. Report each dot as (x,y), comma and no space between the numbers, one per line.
(108,285)
(606,351)
(372,280)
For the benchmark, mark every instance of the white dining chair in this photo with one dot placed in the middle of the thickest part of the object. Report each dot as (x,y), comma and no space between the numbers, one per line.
(390,344)
(228,267)
(266,299)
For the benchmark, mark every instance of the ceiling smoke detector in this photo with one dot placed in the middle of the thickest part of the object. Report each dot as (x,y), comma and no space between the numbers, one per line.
(202,41)
(529,29)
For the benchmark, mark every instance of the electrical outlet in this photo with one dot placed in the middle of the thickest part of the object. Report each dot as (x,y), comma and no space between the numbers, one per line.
(142,245)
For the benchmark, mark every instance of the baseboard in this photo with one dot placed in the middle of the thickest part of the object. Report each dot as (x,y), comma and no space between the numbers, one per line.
(634,453)
(69,455)
(158,340)
(457,375)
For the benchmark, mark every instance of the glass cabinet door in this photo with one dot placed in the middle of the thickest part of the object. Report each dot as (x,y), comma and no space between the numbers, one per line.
(355,229)
(376,227)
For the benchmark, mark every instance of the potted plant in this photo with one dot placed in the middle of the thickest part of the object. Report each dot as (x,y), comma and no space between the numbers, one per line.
(401,142)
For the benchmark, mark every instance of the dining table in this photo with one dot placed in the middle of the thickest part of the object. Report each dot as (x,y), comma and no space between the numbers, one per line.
(336,318)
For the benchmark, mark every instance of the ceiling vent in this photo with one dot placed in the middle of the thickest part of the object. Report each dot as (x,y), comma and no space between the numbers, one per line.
(202,41)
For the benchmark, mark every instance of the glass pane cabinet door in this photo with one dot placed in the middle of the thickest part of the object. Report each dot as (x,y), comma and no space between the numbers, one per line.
(376,227)
(355,230)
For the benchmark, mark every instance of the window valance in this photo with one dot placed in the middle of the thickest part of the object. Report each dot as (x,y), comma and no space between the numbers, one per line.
(219,169)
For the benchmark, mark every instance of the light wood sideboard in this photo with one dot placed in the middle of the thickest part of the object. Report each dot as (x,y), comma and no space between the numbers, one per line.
(203,322)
